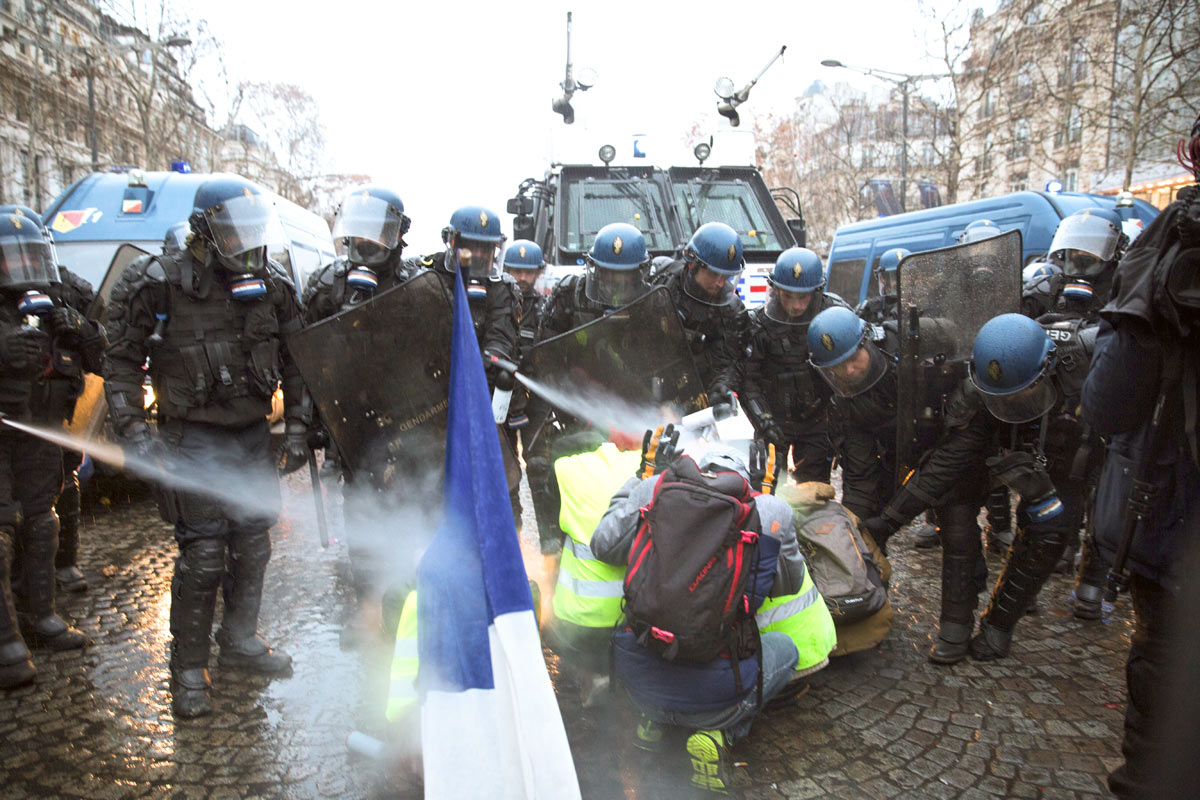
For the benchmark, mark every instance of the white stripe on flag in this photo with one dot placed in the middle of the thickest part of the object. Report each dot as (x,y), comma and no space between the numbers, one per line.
(508,742)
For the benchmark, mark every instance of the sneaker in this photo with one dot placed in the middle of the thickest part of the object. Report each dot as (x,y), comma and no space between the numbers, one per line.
(709,757)
(648,736)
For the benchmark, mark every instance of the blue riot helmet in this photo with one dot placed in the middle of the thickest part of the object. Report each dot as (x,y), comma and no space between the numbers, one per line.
(26,251)
(796,279)
(1011,364)
(175,239)
(714,262)
(887,268)
(978,230)
(616,265)
(841,350)
(524,261)
(473,243)
(369,225)
(238,219)
(1088,244)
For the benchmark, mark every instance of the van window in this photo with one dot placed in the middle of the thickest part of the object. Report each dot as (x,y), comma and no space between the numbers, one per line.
(731,201)
(845,278)
(306,261)
(592,204)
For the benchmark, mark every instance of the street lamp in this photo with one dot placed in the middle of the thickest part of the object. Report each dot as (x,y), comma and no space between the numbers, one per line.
(905,83)
(731,97)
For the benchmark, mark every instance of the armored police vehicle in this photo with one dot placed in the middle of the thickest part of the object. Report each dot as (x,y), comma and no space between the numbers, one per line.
(565,209)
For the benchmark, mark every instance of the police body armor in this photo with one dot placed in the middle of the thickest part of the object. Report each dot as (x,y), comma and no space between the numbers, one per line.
(219,359)
(493,302)
(569,308)
(792,390)
(329,289)
(61,384)
(16,384)
(705,326)
(529,318)
(879,309)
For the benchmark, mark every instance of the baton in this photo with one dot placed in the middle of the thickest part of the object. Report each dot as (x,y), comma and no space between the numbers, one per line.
(314,474)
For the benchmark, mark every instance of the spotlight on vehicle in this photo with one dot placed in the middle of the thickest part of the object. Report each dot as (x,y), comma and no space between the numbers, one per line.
(607,154)
(702,151)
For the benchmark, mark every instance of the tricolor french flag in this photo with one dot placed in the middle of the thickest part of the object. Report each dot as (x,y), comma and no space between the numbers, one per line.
(490,725)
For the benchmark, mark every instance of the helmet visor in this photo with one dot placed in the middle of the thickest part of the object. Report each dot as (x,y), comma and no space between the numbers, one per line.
(477,259)
(1082,264)
(858,373)
(27,261)
(612,287)
(789,308)
(709,286)
(365,217)
(1090,234)
(1022,405)
(244,223)
(887,282)
(366,252)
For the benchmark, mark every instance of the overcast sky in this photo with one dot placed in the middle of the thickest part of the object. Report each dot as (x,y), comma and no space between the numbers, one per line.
(449,102)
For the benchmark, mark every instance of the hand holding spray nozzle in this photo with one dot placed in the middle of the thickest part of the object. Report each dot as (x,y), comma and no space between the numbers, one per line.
(503,374)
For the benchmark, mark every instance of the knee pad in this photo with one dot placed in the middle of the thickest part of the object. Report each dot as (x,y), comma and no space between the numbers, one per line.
(203,559)
(251,549)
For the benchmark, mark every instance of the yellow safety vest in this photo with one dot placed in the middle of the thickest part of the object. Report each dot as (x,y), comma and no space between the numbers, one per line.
(589,591)
(804,617)
(402,692)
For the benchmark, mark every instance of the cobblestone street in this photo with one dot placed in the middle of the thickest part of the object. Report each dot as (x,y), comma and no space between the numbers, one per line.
(1044,723)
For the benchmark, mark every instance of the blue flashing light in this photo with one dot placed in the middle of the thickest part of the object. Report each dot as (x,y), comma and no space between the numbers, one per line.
(182,167)
(1054,186)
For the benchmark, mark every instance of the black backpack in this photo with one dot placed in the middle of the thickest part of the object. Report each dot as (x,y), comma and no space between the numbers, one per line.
(691,565)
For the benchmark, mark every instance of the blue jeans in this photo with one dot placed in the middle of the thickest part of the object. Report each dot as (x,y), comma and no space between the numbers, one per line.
(779,658)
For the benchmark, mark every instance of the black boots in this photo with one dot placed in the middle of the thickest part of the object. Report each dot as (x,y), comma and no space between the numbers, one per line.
(241,648)
(16,666)
(961,553)
(39,622)
(1089,586)
(1031,560)
(198,571)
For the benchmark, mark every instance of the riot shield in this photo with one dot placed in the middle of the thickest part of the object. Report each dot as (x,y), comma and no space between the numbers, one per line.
(626,371)
(945,296)
(380,375)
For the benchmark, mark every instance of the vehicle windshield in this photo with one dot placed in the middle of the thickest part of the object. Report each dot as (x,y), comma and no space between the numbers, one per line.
(591,204)
(728,200)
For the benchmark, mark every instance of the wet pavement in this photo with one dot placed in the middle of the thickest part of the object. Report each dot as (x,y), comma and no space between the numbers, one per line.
(1044,723)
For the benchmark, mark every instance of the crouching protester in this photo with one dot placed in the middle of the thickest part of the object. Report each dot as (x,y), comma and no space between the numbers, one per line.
(587,597)
(695,535)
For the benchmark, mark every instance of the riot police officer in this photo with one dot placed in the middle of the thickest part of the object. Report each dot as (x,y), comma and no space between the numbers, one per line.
(214,321)
(858,362)
(1007,411)
(614,276)
(784,399)
(977,231)
(703,287)
(877,310)
(524,262)
(368,232)
(1087,245)
(473,245)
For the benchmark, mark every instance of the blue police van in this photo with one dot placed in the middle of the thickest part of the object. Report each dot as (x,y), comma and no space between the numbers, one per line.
(106,220)
(856,247)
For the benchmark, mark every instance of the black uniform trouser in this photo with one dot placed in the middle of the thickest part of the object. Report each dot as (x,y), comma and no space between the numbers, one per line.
(1146,670)
(868,474)
(30,482)
(68,510)
(224,537)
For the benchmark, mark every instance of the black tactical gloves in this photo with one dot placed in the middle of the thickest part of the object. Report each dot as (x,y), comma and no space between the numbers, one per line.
(293,453)
(660,449)
(764,466)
